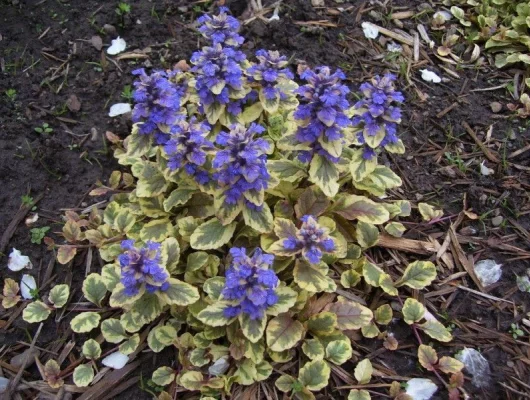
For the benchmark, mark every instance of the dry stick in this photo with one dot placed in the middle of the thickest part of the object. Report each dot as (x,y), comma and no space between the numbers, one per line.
(19,216)
(489,155)
(520,151)
(13,384)
(408,245)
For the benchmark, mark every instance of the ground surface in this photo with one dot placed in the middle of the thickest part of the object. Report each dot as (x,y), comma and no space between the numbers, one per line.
(47,57)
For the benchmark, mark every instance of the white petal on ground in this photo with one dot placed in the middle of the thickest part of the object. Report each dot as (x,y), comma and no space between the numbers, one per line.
(523,282)
(485,170)
(442,15)
(430,76)
(476,365)
(31,220)
(27,284)
(421,389)
(219,367)
(115,360)
(275,16)
(3,384)
(17,261)
(370,31)
(117,46)
(488,272)
(119,109)
(394,47)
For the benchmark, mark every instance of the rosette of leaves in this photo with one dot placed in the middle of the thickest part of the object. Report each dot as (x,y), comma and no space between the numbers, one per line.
(229,315)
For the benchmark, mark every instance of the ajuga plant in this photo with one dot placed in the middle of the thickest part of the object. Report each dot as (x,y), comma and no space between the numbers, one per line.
(502,26)
(244,223)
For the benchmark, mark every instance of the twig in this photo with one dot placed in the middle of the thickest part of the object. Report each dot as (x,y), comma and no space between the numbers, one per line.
(489,155)
(19,216)
(14,382)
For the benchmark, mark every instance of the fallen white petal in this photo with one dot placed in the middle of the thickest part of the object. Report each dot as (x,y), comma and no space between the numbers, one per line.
(275,16)
(370,31)
(119,109)
(488,271)
(394,47)
(485,170)
(17,261)
(476,365)
(430,76)
(421,389)
(523,283)
(115,360)
(3,384)
(117,46)
(27,284)
(442,15)
(219,367)
(31,220)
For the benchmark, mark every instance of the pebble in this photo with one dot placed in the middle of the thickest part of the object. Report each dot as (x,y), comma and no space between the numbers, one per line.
(483,198)
(468,231)
(496,107)
(110,29)
(497,221)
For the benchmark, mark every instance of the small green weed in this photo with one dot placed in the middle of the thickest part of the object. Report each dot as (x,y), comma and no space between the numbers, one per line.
(127,93)
(37,234)
(11,94)
(45,129)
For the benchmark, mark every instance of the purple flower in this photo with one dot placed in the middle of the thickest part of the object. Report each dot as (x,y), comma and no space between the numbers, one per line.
(270,70)
(311,240)
(187,148)
(378,112)
(142,268)
(242,163)
(157,102)
(250,284)
(219,73)
(321,110)
(221,28)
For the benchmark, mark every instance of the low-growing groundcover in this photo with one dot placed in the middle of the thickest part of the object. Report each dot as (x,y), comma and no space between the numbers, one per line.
(241,226)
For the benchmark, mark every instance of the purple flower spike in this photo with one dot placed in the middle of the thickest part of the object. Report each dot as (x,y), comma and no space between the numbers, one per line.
(242,164)
(219,72)
(322,108)
(221,28)
(250,283)
(141,268)
(269,71)
(157,102)
(311,240)
(379,111)
(187,148)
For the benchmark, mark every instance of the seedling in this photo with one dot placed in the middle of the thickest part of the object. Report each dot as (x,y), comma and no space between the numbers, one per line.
(27,200)
(456,160)
(45,129)
(516,331)
(127,93)
(37,234)
(11,95)
(122,10)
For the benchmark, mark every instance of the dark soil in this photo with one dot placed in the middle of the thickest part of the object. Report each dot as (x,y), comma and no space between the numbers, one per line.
(47,57)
